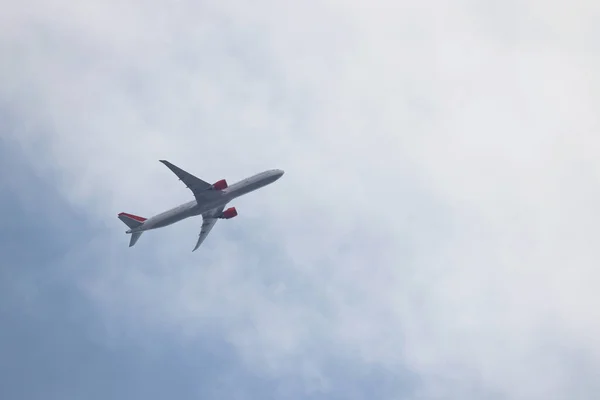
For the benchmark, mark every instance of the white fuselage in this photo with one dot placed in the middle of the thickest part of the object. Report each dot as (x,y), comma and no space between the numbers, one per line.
(211,199)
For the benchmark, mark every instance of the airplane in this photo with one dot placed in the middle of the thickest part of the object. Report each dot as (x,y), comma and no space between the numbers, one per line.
(210,202)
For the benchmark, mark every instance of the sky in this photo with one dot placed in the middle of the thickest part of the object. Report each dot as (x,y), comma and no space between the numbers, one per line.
(434,235)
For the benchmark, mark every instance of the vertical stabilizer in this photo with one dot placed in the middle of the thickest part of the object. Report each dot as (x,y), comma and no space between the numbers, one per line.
(132,221)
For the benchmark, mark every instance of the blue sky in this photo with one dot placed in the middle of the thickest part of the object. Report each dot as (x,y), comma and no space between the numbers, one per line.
(50,329)
(51,333)
(433,236)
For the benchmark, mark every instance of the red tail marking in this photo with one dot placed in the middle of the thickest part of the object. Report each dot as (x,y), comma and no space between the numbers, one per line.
(135,217)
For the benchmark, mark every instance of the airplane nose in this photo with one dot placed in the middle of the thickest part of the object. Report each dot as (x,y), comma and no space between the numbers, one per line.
(279,173)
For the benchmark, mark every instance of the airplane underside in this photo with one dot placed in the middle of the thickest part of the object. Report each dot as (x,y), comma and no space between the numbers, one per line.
(210,203)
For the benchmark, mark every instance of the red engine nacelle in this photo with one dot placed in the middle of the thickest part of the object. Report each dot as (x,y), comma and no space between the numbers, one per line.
(229,213)
(220,185)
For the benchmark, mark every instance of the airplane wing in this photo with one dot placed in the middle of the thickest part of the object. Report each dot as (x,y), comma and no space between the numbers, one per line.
(196,185)
(209,219)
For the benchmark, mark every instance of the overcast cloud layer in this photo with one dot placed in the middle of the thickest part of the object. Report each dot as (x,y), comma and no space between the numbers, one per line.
(435,235)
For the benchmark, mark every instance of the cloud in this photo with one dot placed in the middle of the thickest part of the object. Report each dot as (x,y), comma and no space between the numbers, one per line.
(438,209)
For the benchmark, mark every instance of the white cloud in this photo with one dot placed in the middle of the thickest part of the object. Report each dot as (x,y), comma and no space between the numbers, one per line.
(439,206)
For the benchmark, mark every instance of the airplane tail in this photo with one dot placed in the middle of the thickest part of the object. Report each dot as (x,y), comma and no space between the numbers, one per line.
(134,238)
(132,221)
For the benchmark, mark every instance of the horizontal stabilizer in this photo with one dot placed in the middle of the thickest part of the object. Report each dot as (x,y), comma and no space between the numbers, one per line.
(134,238)
(132,221)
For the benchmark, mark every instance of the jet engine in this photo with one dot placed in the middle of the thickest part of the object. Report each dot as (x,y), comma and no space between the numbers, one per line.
(229,213)
(220,185)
